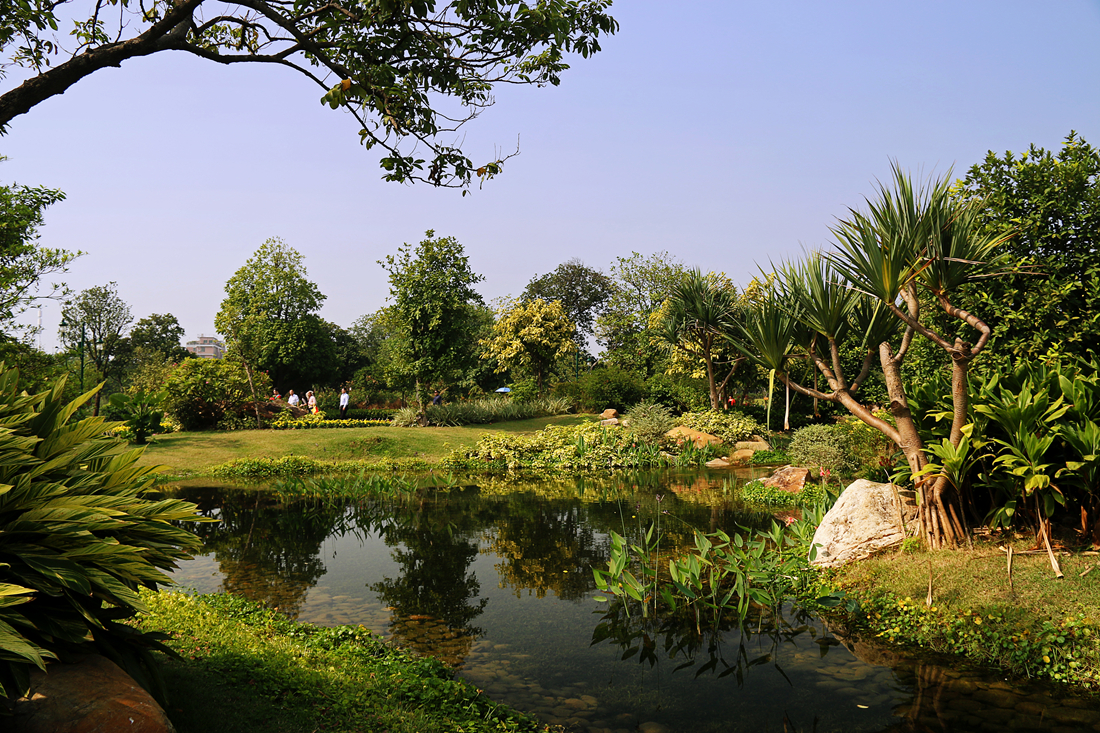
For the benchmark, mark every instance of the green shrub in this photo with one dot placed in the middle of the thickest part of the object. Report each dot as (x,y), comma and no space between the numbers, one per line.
(679,395)
(291,466)
(823,447)
(201,392)
(730,426)
(586,446)
(80,533)
(756,492)
(482,412)
(524,390)
(769,458)
(649,422)
(611,387)
(142,413)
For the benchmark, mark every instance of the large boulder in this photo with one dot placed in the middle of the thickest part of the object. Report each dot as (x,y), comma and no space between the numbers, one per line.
(681,434)
(609,414)
(93,695)
(788,478)
(868,517)
(753,445)
(742,456)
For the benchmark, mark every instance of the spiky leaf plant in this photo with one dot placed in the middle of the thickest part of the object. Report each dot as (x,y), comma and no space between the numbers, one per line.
(80,532)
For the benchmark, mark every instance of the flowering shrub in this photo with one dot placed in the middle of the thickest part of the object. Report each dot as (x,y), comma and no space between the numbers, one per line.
(729,426)
(286,421)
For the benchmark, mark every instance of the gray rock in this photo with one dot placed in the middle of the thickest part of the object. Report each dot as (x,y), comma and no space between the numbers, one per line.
(718,463)
(866,518)
(610,421)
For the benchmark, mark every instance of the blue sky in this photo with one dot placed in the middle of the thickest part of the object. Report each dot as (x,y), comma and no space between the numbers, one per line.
(727,133)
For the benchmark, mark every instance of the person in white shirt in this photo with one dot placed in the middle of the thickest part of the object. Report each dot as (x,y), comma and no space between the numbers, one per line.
(344,399)
(292,399)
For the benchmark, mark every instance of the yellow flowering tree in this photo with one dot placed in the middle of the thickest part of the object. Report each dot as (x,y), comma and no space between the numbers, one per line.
(530,336)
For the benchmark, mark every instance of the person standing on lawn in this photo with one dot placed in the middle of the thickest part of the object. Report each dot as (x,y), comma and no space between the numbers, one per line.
(345,398)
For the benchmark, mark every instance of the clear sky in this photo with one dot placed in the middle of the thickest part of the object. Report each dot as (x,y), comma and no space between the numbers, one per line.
(728,133)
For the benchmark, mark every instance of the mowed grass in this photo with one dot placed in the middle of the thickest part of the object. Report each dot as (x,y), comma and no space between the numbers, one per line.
(193,454)
(973,579)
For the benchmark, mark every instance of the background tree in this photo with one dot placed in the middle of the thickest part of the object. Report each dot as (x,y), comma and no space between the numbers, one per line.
(431,286)
(390,65)
(23,263)
(531,336)
(96,321)
(641,285)
(582,291)
(269,318)
(160,333)
(1049,305)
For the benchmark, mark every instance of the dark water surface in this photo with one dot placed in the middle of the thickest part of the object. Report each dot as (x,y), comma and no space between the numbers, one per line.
(496,580)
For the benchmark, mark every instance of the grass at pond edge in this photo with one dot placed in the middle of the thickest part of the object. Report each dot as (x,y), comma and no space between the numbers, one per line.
(1039,627)
(245,668)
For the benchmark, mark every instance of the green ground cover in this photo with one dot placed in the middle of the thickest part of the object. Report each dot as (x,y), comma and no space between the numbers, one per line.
(245,668)
(1036,625)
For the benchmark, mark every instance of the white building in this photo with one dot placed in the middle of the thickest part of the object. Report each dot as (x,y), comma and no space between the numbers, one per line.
(206,347)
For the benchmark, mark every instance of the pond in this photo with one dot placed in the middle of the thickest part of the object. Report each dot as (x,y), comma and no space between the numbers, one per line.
(496,580)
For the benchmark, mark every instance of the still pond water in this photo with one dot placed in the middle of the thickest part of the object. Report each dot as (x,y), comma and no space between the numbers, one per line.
(496,580)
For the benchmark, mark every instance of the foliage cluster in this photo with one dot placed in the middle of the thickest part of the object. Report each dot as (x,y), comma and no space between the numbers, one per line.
(769,458)
(605,387)
(756,492)
(825,447)
(567,447)
(1064,650)
(730,426)
(649,422)
(142,413)
(530,337)
(720,576)
(482,412)
(1032,445)
(201,392)
(291,466)
(343,675)
(80,533)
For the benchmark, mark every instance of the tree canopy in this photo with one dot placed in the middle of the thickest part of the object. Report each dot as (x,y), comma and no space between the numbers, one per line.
(531,336)
(1049,304)
(23,263)
(95,321)
(431,286)
(640,285)
(410,73)
(582,291)
(269,318)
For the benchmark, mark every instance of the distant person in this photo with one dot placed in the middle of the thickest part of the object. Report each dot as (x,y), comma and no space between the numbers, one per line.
(345,398)
(292,399)
(437,399)
(275,396)
(311,400)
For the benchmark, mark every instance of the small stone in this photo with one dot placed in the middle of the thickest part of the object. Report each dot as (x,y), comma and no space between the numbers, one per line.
(610,421)
(718,463)
(609,414)
(741,456)
(681,434)
(752,445)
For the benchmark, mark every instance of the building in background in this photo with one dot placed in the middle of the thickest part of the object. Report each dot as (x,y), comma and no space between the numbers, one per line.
(206,347)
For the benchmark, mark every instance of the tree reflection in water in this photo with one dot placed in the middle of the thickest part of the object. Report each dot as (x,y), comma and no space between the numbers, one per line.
(268,550)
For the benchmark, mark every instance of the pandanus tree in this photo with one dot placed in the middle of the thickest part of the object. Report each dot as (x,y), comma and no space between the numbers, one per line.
(699,318)
(911,240)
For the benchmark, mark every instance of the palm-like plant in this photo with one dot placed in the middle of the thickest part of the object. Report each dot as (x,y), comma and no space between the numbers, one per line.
(700,317)
(80,533)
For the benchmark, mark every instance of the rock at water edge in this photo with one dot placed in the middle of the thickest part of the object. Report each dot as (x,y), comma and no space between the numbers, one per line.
(788,478)
(865,519)
(93,695)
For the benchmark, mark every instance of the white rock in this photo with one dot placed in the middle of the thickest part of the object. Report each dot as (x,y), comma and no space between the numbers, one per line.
(864,520)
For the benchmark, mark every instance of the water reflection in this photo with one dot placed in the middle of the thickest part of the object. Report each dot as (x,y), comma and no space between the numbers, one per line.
(496,580)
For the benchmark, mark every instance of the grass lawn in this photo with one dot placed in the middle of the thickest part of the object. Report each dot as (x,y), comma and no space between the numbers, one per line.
(192,454)
(978,578)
